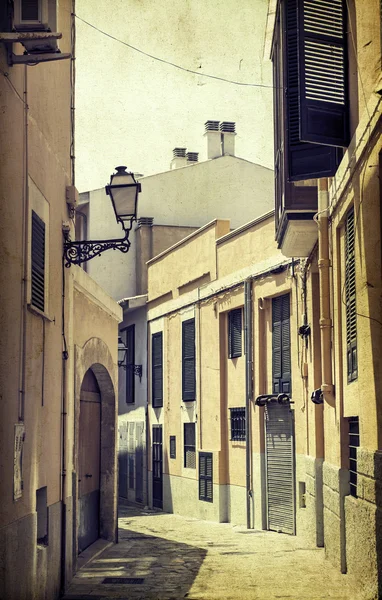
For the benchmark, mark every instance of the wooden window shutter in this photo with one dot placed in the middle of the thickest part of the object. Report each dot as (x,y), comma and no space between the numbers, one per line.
(234,333)
(38,262)
(188,360)
(302,160)
(205,476)
(281,353)
(130,360)
(323,72)
(350,289)
(157,369)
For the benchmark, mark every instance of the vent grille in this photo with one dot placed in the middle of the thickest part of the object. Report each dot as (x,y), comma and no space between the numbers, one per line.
(228,126)
(179,152)
(192,156)
(38,262)
(212,125)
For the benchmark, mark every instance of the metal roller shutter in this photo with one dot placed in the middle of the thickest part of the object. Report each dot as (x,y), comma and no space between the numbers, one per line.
(280,468)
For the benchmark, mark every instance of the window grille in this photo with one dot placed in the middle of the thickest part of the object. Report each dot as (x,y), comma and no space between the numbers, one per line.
(157,370)
(172,446)
(38,262)
(350,295)
(353,445)
(234,333)
(205,476)
(238,424)
(188,360)
(189,446)
(130,360)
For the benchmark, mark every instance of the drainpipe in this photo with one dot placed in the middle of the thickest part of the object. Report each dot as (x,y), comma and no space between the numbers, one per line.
(324,266)
(248,345)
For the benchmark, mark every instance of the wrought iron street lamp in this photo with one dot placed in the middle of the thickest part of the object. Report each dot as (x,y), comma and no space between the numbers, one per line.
(122,359)
(123,190)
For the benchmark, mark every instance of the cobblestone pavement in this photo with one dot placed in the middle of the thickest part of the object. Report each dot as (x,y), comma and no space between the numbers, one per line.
(168,557)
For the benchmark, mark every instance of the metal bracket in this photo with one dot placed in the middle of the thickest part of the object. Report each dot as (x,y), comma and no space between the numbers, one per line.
(79,252)
(137,369)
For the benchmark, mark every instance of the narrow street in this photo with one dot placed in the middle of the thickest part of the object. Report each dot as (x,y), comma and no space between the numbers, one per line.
(169,557)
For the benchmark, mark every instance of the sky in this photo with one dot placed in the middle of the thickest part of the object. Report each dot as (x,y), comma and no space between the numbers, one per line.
(133,110)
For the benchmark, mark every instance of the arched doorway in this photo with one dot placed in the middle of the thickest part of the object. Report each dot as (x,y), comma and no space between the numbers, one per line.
(89,457)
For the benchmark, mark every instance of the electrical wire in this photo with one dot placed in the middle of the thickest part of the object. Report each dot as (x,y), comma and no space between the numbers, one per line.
(171,64)
(6,75)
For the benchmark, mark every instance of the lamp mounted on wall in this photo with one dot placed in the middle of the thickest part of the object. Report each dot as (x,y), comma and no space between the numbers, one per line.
(123,190)
(122,359)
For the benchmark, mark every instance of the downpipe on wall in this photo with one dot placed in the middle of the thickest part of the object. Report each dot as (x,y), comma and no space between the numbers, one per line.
(248,346)
(324,266)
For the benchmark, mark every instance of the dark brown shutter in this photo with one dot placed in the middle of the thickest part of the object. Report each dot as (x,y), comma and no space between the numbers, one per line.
(205,476)
(172,446)
(38,262)
(323,72)
(130,362)
(303,161)
(351,306)
(234,333)
(157,369)
(188,360)
(29,10)
(281,354)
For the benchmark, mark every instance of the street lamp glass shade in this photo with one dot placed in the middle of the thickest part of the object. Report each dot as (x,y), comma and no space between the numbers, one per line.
(123,191)
(121,351)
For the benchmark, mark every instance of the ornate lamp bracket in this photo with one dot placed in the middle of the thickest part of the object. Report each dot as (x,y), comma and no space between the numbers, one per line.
(78,252)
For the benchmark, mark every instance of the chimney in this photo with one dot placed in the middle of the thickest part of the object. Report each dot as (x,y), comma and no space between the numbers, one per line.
(228,133)
(192,157)
(214,139)
(179,158)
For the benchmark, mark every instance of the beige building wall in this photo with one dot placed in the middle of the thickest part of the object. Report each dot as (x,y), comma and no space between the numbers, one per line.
(38,382)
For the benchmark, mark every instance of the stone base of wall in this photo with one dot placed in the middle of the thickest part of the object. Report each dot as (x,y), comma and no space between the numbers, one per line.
(335,487)
(310,521)
(363,519)
(29,570)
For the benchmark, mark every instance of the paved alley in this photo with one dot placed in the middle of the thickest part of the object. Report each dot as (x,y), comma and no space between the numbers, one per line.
(168,557)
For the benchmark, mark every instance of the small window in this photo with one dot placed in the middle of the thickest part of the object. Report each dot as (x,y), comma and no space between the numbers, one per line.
(157,370)
(189,446)
(172,446)
(205,477)
(238,424)
(42,515)
(188,360)
(353,445)
(38,262)
(234,333)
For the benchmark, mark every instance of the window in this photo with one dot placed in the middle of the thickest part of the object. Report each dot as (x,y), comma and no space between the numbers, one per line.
(189,446)
(130,362)
(188,360)
(205,477)
(238,424)
(42,515)
(310,99)
(172,446)
(353,445)
(350,297)
(33,15)
(234,333)
(38,262)
(157,369)
(281,357)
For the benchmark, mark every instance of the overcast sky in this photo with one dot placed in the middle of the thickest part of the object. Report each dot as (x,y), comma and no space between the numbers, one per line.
(133,110)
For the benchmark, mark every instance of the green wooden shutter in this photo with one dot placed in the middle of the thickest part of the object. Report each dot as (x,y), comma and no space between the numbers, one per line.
(303,160)
(157,369)
(234,333)
(130,360)
(188,360)
(281,354)
(351,305)
(323,72)
(205,476)
(38,262)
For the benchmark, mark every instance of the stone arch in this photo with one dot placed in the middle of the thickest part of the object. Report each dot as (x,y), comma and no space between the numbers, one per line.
(95,355)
